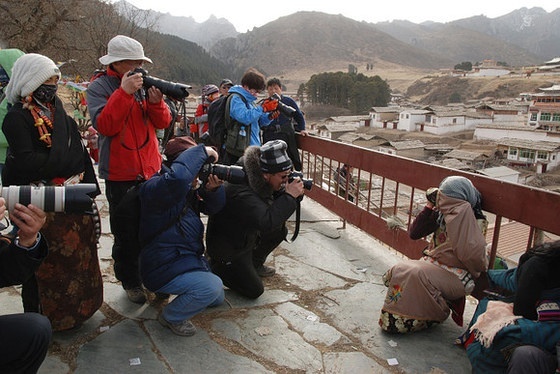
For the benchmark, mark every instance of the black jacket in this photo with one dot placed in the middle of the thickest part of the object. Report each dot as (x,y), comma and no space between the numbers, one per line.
(251,208)
(18,265)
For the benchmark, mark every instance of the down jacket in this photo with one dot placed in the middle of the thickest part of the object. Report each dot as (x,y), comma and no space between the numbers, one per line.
(175,238)
(128,146)
(252,208)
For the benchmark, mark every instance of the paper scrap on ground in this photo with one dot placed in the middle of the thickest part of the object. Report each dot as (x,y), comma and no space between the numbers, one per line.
(134,361)
(392,361)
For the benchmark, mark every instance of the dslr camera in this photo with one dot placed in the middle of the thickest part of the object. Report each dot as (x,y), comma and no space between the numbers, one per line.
(230,173)
(177,91)
(307,183)
(286,110)
(67,199)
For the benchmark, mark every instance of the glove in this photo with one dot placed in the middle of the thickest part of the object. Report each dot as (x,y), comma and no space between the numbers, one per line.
(270,105)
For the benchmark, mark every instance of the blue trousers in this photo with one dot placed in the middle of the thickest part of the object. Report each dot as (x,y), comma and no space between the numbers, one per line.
(195,291)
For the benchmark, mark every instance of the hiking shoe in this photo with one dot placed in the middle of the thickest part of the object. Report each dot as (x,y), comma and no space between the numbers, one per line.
(265,271)
(136,295)
(185,328)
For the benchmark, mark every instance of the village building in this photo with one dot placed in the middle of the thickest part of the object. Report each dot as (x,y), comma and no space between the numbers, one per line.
(501,172)
(542,155)
(550,66)
(406,148)
(473,159)
(545,112)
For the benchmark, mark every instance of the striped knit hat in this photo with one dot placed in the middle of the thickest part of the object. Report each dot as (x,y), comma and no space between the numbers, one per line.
(274,158)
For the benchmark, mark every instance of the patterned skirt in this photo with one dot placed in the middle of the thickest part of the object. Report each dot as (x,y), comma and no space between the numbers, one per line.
(69,280)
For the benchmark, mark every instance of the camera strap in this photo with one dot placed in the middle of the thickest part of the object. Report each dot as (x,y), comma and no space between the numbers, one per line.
(296,229)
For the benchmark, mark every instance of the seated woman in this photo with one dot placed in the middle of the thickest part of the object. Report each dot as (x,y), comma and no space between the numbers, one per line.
(499,327)
(420,291)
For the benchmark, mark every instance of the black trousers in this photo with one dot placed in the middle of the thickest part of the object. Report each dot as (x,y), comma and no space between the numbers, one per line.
(240,275)
(125,256)
(24,342)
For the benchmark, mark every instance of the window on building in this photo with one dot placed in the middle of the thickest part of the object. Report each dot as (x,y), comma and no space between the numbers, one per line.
(546,116)
(556,117)
(454,120)
(513,151)
(533,116)
(542,155)
(527,154)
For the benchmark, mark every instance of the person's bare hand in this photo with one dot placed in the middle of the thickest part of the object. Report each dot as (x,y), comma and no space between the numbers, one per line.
(295,188)
(131,83)
(29,219)
(213,182)
(211,152)
(154,95)
(303,133)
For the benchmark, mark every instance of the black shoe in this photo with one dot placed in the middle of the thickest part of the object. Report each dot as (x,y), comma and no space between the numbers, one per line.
(136,295)
(265,271)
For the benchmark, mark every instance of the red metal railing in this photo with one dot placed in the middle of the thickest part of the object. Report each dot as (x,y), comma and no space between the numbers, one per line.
(398,187)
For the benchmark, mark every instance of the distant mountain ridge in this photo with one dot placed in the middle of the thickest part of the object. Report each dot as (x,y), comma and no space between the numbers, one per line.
(316,41)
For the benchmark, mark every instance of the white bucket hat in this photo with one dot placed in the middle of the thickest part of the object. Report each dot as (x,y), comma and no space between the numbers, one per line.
(123,48)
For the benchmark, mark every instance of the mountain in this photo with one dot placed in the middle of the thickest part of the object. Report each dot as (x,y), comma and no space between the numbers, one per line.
(205,34)
(522,37)
(458,43)
(321,42)
(533,29)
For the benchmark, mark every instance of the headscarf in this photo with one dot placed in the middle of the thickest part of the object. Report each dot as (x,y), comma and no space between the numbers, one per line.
(28,73)
(459,187)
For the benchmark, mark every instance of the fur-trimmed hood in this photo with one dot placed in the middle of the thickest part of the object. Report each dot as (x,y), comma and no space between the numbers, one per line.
(252,167)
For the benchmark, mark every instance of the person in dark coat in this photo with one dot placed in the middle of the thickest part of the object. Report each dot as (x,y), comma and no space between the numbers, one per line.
(172,259)
(253,221)
(25,337)
(46,149)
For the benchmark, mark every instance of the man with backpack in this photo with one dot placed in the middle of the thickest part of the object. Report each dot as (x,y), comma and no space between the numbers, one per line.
(235,120)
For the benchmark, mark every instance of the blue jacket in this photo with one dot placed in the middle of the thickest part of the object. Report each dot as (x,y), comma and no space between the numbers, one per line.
(178,245)
(250,113)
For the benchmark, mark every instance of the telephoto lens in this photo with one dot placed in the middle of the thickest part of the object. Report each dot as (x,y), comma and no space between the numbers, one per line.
(68,199)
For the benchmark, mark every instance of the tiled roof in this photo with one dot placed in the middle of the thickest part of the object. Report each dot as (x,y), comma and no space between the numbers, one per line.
(513,240)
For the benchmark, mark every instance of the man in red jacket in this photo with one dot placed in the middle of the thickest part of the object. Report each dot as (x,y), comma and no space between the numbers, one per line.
(126,115)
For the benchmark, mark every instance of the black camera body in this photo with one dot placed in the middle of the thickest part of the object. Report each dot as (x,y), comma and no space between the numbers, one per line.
(229,173)
(286,110)
(69,199)
(177,91)
(307,183)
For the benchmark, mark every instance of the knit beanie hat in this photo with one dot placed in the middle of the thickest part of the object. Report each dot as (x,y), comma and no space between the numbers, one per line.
(209,89)
(274,157)
(28,73)
(177,145)
(123,48)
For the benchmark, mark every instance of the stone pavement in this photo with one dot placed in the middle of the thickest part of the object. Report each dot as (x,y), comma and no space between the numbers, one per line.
(318,315)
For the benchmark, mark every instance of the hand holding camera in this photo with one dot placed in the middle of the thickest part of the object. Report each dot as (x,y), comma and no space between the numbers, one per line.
(29,219)
(270,105)
(294,187)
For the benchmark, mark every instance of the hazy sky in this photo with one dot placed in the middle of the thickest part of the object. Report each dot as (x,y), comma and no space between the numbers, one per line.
(246,15)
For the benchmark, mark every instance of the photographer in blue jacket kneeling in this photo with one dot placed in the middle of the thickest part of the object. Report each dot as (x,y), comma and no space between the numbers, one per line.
(172,259)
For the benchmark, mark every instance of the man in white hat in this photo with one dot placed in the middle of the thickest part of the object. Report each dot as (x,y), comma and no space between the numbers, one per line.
(126,115)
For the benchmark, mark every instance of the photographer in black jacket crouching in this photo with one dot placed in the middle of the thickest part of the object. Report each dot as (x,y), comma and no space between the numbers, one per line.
(253,222)
(24,337)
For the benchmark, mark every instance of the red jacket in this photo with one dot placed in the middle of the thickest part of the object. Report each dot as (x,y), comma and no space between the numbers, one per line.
(128,146)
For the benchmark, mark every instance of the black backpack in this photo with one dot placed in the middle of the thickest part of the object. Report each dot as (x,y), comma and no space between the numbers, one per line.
(219,120)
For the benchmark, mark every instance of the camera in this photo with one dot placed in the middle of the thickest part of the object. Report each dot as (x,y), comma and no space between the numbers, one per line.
(230,173)
(307,183)
(177,91)
(67,199)
(286,110)
(431,194)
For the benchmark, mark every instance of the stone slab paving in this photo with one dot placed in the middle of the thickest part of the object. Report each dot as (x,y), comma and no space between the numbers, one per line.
(318,315)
